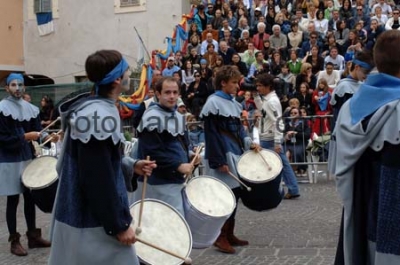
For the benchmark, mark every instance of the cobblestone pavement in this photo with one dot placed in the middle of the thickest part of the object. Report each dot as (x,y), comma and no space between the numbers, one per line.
(302,231)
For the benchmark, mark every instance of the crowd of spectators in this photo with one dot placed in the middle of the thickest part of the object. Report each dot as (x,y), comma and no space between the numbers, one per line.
(308,45)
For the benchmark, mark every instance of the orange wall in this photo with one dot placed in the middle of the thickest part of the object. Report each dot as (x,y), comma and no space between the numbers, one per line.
(11,32)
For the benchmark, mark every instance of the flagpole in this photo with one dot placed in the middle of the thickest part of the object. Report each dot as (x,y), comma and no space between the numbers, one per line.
(144,46)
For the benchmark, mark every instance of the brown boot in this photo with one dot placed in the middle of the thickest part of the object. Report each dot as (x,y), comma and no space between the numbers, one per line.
(35,239)
(222,242)
(233,240)
(16,247)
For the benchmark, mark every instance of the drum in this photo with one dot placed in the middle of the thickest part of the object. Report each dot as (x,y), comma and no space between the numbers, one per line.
(265,182)
(208,203)
(164,227)
(41,178)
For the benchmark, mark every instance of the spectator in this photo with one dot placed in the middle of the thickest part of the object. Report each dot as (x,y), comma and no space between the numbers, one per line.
(171,67)
(393,22)
(46,111)
(279,41)
(304,97)
(258,39)
(188,73)
(294,63)
(335,58)
(236,60)
(306,76)
(205,43)
(331,76)
(194,44)
(197,94)
(196,132)
(321,101)
(295,37)
(315,60)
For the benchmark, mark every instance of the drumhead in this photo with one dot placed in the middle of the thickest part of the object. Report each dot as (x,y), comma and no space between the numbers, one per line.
(40,173)
(253,168)
(210,196)
(164,227)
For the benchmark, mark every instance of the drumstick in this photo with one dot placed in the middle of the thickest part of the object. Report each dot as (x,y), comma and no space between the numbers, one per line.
(51,137)
(51,124)
(196,155)
(238,180)
(139,229)
(265,161)
(187,260)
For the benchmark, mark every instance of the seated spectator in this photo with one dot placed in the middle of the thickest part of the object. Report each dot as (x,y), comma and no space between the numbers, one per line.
(380,17)
(232,21)
(171,67)
(231,41)
(308,44)
(315,60)
(329,44)
(210,56)
(243,42)
(393,22)
(288,78)
(331,76)
(335,58)
(257,65)
(342,32)
(276,63)
(205,43)
(346,11)
(267,50)
(260,36)
(236,60)
(321,23)
(242,25)
(193,30)
(197,95)
(295,37)
(205,72)
(193,57)
(188,73)
(373,33)
(216,21)
(306,76)
(294,63)
(209,29)
(194,43)
(225,52)
(249,57)
(279,41)
(225,26)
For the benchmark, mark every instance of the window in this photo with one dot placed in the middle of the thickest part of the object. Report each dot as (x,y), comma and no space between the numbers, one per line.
(39,6)
(128,6)
(42,6)
(124,3)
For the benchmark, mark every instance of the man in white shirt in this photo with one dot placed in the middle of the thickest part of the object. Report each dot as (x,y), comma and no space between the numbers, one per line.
(335,58)
(386,9)
(209,40)
(331,76)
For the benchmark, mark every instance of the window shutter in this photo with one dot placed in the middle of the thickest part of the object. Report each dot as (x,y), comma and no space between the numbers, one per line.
(42,6)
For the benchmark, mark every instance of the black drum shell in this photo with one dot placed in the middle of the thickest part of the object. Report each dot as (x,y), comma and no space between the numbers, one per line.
(263,196)
(44,198)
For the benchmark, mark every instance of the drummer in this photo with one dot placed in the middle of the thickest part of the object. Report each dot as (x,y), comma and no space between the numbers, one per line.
(19,126)
(226,140)
(92,220)
(163,136)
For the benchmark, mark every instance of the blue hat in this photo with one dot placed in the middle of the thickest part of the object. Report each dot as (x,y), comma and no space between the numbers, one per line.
(203,61)
(14,76)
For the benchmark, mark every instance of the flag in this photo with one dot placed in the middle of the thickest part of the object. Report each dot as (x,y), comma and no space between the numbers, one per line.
(45,23)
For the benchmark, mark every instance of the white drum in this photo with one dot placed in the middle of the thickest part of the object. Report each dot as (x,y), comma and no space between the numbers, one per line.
(252,166)
(208,203)
(41,177)
(164,227)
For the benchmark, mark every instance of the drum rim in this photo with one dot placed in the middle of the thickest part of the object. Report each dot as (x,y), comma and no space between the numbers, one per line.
(176,211)
(260,182)
(44,186)
(211,177)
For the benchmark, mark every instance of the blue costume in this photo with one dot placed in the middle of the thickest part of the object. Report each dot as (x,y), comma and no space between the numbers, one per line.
(18,117)
(225,137)
(364,152)
(163,137)
(92,204)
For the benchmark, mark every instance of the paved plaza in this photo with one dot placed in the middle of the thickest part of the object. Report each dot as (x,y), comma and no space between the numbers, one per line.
(302,231)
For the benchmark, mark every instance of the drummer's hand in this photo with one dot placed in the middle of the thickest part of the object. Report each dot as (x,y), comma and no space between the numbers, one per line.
(186,168)
(31,136)
(127,237)
(255,147)
(278,148)
(144,167)
(197,160)
(224,169)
